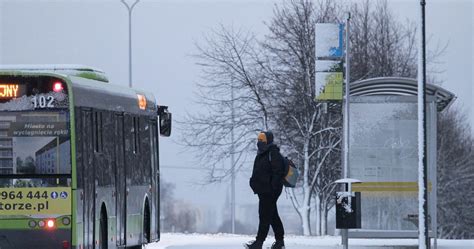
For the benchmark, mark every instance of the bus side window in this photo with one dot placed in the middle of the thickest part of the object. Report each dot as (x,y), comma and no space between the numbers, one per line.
(136,135)
(104,159)
(79,150)
(98,132)
(145,148)
(154,144)
(133,162)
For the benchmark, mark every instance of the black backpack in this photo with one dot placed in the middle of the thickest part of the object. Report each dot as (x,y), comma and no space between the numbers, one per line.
(290,178)
(291,173)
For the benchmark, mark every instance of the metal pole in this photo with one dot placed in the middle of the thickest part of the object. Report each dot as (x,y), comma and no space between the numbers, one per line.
(433,145)
(232,159)
(424,239)
(345,232)
(130,49)
(347,98)
(130,10)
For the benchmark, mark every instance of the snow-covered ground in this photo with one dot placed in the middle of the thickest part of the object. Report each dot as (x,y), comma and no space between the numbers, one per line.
(225,241)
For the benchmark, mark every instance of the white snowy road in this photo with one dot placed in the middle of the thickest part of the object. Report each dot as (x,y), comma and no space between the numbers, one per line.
(239,247)
(226,241)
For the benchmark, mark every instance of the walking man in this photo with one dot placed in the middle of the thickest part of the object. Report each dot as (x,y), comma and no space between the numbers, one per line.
(266,182)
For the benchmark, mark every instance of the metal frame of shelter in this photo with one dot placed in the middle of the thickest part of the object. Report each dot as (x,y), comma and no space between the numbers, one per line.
(398,90)
(401,87)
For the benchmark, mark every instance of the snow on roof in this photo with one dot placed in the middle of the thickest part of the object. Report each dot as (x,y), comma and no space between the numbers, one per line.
(68,69)
(348,180)
(400,86)
(50,67)
(91,93)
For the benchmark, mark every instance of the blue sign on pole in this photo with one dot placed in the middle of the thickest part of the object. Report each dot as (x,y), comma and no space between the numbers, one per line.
(329,56)
(338,51)
(329,41)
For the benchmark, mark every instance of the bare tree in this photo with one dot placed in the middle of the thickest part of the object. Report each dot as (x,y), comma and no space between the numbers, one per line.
(307,132)
(328,168)
(229,62)
(455,176)
(178,216)
(273,84)
(167,206)
(380,44)
(382,47)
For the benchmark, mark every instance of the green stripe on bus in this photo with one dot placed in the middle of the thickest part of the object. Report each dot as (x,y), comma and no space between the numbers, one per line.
(72,122)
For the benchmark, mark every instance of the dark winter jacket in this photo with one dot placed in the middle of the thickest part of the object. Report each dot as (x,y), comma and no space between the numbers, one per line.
(267,175)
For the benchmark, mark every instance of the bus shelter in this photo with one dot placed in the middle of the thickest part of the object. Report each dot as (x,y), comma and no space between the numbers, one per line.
(384,154)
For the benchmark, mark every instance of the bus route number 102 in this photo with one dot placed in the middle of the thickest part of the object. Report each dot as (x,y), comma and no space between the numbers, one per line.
(43,102)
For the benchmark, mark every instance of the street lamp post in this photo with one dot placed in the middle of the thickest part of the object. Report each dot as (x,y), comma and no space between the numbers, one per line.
(130,10)
(345,232)
(232,160)
(423,225)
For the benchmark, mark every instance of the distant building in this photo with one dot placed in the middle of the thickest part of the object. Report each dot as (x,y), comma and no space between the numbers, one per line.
(47,161)
(207,220)
(6,147)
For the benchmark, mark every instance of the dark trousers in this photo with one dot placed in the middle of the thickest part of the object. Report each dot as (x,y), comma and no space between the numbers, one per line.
(268,216)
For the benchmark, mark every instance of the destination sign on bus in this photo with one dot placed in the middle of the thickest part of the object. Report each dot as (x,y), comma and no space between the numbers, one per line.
(45,92)
(9,91)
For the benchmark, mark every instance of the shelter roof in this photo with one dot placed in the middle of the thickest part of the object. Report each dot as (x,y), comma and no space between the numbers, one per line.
(400,86)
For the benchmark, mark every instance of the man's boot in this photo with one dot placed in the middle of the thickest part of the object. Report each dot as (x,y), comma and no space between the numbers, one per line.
(279,244)
(256,244)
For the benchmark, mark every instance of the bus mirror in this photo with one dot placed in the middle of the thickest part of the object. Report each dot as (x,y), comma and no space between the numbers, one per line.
(165,124)
(165,121)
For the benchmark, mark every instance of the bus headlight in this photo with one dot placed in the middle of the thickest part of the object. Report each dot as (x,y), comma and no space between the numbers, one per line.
(32,224)
(50,223)
(66,221)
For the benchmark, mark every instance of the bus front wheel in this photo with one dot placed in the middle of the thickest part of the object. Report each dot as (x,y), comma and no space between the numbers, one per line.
(146,223)
(104,241)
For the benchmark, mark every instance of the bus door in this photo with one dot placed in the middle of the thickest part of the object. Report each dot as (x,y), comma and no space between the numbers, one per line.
(120,174)
(89,179)
(155,181)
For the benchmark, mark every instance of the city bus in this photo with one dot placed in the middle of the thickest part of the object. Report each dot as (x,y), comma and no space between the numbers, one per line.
(79,162)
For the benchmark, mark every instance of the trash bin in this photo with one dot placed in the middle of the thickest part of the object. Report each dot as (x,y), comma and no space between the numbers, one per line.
(348,209)
(348,215)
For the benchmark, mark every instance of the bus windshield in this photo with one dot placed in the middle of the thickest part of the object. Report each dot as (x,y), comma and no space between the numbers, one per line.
(35,143)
